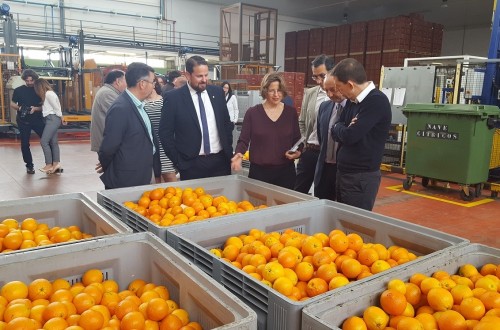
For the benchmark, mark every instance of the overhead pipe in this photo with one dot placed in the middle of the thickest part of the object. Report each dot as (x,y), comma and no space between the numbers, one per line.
(91,10)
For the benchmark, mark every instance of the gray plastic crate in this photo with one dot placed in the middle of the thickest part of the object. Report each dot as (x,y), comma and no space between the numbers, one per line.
(275,311)
(234,187)
(64,210)
(126,257)
(330,313)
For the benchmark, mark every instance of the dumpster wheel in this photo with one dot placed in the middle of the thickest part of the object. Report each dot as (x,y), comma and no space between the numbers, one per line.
(467,197)
(407,183)
(425,182)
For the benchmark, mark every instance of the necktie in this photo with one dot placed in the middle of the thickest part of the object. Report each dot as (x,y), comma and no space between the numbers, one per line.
(204,126)
(331,150)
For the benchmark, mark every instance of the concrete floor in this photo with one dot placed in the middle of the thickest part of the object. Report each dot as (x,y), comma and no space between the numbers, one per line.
(438,207)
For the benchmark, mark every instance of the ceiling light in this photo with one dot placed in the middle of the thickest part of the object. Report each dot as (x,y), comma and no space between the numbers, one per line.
(120,53)
(31,46)
(345,18)
(444,4)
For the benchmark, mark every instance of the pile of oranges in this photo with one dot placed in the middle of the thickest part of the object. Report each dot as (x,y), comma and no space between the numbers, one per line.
(94,303)
(467,300)
(175,206)
(30,233)
(301,266)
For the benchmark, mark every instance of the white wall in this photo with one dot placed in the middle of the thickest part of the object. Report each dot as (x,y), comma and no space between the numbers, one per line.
(469,42)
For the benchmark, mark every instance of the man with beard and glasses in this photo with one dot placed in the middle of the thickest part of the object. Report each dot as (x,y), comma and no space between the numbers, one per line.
(195,129)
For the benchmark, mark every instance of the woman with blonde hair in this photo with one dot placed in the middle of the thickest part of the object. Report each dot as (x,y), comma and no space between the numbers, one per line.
(52,115)
(269,131)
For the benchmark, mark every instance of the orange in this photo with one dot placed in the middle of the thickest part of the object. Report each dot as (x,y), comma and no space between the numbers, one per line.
(490,299)
(92,276)
(429,283)
(398,285)
(11,223)
(354,323)
(24,323)
(283,285)
(55,309)
(29,224)
(171,322)
(488,269)
(351,268)
(440,299)
(460,292)
(427,320)
(381,250)
(136,285)
(339,242)
(355,242)
(110,286)
(468,270)
(133,321)
(472,308)
(367,256)
(56,323)
(95,292)
(62,235)
(393,302)
(413,293)
(61,295)
(14,290)
(16,310)
(304,270)
(83,301)
(321,258)
(409,323)
(157,309)
(144,201)
(417,278)
(91,320)
(272,271)
(124,307)
(316,286)
(36,313)
(39,289)
(375,318)
(379,266)
(148,295)
(13,240)
(287,259)
(487,283)
(337,282)
(156,194)
(231,252)
(151,325)
(60,283)
(182,314)
(311,245)
(451,320)
(326,271)
(162,291)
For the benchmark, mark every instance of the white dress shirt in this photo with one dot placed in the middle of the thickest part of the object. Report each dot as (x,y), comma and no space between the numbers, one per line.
(232,107)
(213,132)
(51,105)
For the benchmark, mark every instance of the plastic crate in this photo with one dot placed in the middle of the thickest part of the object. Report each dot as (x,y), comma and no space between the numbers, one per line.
(126,257)
(64,210)
(275,311)
(234,187)
(331,312)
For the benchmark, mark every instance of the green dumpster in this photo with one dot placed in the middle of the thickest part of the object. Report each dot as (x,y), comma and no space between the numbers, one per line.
(449,142)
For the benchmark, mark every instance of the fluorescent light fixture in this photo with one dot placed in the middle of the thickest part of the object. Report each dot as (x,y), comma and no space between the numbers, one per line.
(31,46)
(120,53)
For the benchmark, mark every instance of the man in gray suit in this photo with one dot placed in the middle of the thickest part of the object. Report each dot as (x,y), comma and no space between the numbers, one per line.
(326,167)
(114,85)
(307,122)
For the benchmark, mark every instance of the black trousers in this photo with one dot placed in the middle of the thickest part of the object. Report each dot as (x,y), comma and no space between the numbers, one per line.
(280,176)
(358,189)
(305,170)
(207,166)
(25,129)
(326,187)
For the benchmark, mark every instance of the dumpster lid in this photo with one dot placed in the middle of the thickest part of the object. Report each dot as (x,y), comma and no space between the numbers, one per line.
(453,109)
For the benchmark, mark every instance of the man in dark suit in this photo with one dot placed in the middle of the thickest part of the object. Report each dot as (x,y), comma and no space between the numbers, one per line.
(195,129)
(326,167)
(129,151)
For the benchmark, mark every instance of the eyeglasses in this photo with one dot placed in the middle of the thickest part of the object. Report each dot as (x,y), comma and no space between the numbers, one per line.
(151,82)
(318,76)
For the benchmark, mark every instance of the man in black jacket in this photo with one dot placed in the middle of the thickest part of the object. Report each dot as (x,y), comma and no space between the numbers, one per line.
(362,132)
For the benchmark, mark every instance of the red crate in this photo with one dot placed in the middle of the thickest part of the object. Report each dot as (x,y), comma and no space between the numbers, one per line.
(303,66)
(315,41)
(373,60)
(358,37)
(302,43)
(394,58)
(290,44)
(360,57)
(329,40)
(299,77)
(375,35)
(339,58)
(342,39)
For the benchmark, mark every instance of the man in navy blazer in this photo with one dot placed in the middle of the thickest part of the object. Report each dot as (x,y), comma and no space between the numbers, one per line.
(129,152)
(326,167)
(195,129)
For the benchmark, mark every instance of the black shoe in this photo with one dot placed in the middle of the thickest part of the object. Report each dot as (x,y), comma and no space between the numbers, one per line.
(30,170)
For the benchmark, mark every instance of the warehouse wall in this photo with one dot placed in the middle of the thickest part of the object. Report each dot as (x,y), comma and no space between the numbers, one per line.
(469,42)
